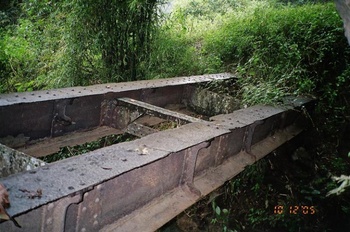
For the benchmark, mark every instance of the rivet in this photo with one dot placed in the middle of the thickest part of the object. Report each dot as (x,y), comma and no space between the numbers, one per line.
(95,223)
(86,194)
(50,206)
(99,187)
(83,230)
(49,221)
(95,215)
(84,209)
(97,200)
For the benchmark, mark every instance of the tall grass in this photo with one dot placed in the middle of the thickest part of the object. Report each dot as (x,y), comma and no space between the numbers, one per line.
(275,49)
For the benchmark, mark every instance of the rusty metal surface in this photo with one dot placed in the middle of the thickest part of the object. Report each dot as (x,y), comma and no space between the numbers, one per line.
(162,209)
(244,117)
(113,180)
(66,110)
(79,110)
(50,118)
(94,167)
(161,96)
(31,114)
(177,139)
(149,120)
(50,217)
(188,171)
(139,130)
(55,213)
(74,92)
(126,186)
(156,111)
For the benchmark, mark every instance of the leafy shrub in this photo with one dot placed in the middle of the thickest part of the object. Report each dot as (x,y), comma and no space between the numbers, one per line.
(296,50)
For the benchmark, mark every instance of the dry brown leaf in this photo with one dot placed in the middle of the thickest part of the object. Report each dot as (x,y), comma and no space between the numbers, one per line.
(5,203)
(4,196)
(33,194)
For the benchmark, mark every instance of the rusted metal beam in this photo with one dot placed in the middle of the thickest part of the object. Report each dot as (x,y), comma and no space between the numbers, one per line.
(103,89)
(162,209)
(156,111)
(119,185)
(125,186)
(68,110)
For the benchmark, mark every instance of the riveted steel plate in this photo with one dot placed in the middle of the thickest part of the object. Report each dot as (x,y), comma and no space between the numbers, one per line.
(73,92)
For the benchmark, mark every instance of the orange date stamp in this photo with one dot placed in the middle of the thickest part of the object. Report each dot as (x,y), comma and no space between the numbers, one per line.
(295,209)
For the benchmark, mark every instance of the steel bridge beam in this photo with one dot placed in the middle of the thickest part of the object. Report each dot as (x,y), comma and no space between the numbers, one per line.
(142,184)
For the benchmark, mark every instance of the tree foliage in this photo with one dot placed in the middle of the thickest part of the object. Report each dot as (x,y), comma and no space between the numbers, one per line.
(110,38)
(280,50)
(66,43)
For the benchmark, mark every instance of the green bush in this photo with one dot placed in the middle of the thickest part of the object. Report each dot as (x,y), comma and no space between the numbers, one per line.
(29,49)
(283,49)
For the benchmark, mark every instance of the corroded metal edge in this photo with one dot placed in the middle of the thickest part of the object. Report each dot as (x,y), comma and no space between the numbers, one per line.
(162,209)
(73,92)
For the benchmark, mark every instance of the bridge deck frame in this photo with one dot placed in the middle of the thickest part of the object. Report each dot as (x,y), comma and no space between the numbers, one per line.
(125,186)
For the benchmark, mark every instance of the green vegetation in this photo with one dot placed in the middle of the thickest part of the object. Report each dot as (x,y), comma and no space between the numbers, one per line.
(68,43)
(275,49)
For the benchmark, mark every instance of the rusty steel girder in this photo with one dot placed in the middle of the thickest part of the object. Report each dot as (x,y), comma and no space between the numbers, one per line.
(142,184)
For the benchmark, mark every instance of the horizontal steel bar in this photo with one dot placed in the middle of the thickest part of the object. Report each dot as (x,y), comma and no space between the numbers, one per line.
(157,111)
(74,92)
